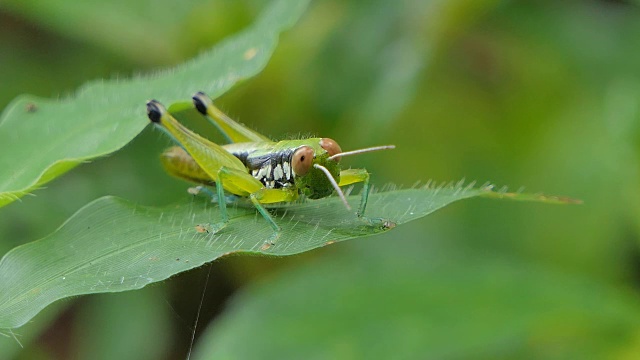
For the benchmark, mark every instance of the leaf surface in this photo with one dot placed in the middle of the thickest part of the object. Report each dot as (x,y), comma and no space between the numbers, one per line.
(113,245)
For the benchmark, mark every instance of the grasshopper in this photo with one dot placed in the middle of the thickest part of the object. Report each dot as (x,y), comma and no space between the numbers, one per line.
(254,166)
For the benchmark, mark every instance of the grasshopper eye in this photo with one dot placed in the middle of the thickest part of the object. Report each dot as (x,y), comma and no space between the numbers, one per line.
(302,160)
(154,111)
(331,146)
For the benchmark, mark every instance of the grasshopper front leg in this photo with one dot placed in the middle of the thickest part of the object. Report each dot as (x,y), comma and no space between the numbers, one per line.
(352,176)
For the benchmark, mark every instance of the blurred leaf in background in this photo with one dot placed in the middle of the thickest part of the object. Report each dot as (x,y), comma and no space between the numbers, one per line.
(416,305)
(537,94)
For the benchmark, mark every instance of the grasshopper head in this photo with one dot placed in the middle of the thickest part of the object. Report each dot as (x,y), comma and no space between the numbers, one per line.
(317,168)
(317,175)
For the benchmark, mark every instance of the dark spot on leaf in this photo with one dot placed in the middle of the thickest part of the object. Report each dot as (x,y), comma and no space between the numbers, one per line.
(31,107)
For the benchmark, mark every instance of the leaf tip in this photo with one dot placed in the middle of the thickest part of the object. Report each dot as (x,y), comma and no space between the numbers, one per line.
(538,197)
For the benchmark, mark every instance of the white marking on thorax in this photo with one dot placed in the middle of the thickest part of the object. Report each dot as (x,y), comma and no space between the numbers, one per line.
(275,174)
(287,170)
(278,174)
(262,173)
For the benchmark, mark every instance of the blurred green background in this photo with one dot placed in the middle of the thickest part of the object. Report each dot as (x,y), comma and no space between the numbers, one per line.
(544,95)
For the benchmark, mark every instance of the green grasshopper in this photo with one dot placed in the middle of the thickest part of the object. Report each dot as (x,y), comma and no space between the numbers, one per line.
(254,166)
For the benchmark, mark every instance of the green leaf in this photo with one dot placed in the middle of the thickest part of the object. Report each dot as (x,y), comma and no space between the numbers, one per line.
(105,115)
(426,306)
(113,245)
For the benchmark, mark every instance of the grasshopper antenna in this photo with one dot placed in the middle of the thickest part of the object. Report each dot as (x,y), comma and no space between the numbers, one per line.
(360,151)
(334,184)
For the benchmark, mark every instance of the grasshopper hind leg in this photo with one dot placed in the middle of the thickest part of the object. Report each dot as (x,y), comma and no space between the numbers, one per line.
(218,196)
